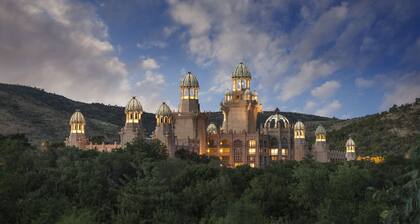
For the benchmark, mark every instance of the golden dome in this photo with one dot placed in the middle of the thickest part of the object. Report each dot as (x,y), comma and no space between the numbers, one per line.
(77,118)
(350,143)
(299,126)
(275,119)
(241,71)
(164,110)
(133,105)
(189,81)
(320,130)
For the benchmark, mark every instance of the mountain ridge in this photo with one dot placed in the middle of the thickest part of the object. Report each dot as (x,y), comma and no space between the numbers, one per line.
(41,115)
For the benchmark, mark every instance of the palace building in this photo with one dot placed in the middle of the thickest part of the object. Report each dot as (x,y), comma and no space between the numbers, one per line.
(239,140)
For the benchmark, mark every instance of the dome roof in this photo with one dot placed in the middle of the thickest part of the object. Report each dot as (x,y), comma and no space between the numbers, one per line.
(189,81)
(320,130)
(241,71)
(164,110)
(212,128)
(77,118)
(350,142)
(133,105)
(299,126)
(273,120)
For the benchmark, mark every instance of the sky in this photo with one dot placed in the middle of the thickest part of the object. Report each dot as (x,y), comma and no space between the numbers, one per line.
(331,58)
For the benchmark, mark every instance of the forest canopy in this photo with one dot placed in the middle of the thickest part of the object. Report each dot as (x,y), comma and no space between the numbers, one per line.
(140,184)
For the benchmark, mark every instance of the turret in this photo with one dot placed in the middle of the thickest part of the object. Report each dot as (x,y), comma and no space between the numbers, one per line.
(77,136)
(320,148)
(133,128)
(300,149)
(350,150)
(164,128)
(189,87)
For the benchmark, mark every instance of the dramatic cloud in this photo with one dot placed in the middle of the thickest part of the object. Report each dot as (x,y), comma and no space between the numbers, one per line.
(149,64)
(309,72)
(291,45)
(326,90)
(61,46)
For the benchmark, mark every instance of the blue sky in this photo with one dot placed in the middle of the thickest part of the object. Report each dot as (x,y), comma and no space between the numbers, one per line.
(331,58)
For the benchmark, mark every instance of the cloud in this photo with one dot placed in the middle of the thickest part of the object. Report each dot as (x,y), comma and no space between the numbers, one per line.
(151,85)
(401,90)
(149,64)
(63,47)
(309,72)
(329,109)
(363,83)
(151,44)
(287,50)
(326,90)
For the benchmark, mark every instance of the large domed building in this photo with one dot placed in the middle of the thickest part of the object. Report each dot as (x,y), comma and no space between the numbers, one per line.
(238,141)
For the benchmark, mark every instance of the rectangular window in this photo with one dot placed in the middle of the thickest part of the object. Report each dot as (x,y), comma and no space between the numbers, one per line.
(274,152)
(252,151)
(252,143)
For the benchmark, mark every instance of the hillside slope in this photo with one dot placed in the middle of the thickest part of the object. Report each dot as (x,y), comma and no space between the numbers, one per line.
(395,131)
(44,116)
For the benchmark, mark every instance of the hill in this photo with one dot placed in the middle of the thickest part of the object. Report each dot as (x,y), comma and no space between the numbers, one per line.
(394,131)
(44,116)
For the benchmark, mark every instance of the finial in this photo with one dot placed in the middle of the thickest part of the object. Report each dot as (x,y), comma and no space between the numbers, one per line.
(277,111)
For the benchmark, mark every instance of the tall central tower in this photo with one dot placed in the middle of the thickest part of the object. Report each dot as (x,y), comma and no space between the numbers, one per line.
(240,106)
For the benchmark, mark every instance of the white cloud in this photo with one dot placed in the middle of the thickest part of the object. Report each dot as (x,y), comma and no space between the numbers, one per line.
(149,64)
(404,89)
(326,90)
(151,85)
(309,72)
(329,109)
(61,46)
(363,83)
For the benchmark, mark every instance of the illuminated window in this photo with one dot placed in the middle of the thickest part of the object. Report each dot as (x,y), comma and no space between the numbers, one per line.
(274,152)
(251,151)
(284,152)
(252,165)
(252,143)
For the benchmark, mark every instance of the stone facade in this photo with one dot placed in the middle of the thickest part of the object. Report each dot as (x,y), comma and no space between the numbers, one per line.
(237,142)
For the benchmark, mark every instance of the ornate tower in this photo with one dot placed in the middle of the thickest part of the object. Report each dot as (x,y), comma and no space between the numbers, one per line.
(164,128)
(189,94)
(132,128)
(350,150)
(190,124)
(300,150)
(77,136)
(320,148)
(240,106)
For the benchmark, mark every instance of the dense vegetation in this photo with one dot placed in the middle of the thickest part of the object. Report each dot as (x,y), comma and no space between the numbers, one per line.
(141,185)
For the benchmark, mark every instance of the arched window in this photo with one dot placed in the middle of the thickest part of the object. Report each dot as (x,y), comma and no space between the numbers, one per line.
(284,143)
(237,143)
(273,123)
(274,143)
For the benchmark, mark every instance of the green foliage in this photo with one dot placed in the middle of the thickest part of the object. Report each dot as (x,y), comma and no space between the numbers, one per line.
(140,184)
